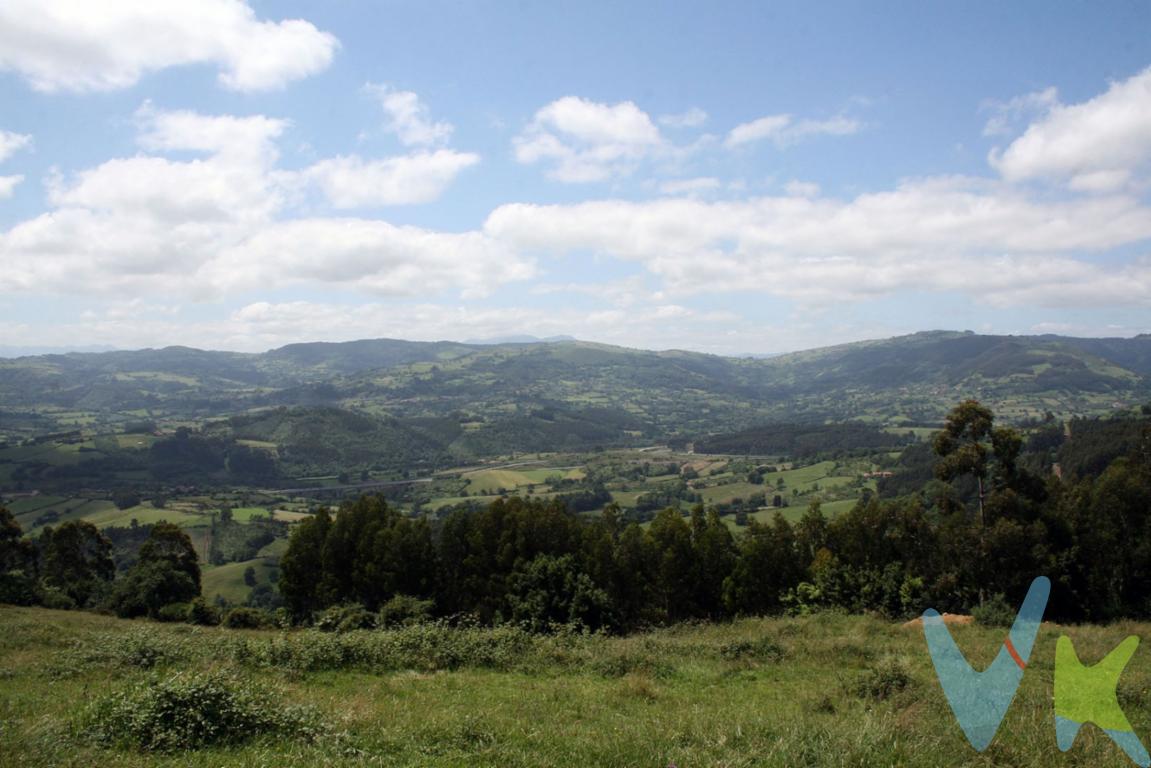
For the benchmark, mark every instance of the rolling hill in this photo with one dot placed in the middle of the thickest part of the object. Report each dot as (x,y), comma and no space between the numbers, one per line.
(477,399)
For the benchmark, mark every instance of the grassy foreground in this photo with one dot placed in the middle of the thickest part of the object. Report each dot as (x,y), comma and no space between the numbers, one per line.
(824,690)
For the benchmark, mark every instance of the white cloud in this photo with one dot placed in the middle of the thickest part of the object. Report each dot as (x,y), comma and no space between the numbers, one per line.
(351,182)
(785,130)
(409,118)
(368,255)
(1100,145)
(8,185)
(249,139)
(10,143)
(587,141)
(694,186)
(79,45)
(693,118)
(206,226)
(978,238)
(1006,114)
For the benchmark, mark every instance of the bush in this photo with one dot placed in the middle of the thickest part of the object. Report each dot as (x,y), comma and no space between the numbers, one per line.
(345,618)
(51,597)
(994,612)
(173,612)
(142,648)
(246,618)
(199,612)
(403,611)
(884,679)
(184,712)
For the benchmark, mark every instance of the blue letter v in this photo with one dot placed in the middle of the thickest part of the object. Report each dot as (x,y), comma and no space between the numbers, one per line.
(980,699)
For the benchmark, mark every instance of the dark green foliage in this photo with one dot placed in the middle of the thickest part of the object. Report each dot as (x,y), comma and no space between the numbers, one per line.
(303,563)
(345,618)
(995,611)
(551,591)
(1095,443)
(316,440)
(186,712)
(17,562)
(404,610)
(246,618)
(174,612)
(125,499)
(165,572)
(76,559)
(801,441)
(203,614)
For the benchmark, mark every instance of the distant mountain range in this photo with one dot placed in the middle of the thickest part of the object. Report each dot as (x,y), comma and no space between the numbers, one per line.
(518,339)
(505,394)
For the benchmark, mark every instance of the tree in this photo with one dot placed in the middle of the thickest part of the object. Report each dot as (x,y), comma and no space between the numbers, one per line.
(166,572)
(302,565)
(17,562)
(962,447)
(77,560)
(250,576)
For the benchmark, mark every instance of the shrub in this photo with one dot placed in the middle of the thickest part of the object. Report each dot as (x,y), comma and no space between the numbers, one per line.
(245,618)
(994,612)
(345,618)
(183,712)
(199,612)
(143,648)
(51,597)
(173,612)
(404,610)
(884,679)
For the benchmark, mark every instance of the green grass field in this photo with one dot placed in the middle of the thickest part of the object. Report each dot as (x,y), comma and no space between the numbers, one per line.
(826,690)
(228,580)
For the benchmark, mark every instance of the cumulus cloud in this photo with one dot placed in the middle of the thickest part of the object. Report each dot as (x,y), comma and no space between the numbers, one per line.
(11,143)
(368,255)
(351,182)
(8,185)
(1100,145)
(78,45)
(586,141)
(785,130)
(409,118)
(251,138)
(983,239)
(224,222)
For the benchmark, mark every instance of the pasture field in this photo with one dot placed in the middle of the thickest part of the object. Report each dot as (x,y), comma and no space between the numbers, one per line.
(227,580)
(823,690)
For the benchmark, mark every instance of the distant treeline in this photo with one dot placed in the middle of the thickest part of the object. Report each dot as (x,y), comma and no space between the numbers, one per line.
(802,441)
(534,562)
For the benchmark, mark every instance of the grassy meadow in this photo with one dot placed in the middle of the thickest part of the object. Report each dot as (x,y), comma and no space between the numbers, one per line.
(822,690)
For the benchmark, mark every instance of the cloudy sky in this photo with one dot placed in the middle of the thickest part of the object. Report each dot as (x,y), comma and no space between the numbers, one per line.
(729,177)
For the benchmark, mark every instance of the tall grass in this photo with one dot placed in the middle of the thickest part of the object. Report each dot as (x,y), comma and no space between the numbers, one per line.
(824,690)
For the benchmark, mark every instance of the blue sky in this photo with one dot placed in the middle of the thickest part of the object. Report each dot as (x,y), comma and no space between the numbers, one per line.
(726,177)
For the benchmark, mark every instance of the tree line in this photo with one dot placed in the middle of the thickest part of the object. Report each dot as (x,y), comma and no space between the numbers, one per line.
(72,566)
(988,519)
(984,526)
